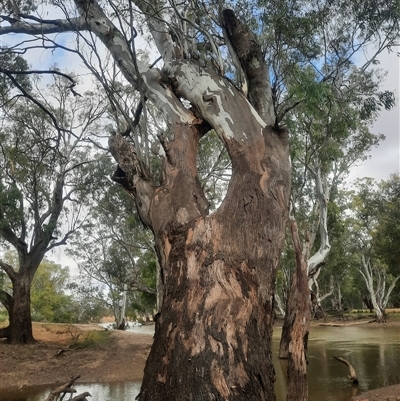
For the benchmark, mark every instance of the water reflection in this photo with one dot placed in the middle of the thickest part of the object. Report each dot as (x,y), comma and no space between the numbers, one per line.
(373,351)
(119,391)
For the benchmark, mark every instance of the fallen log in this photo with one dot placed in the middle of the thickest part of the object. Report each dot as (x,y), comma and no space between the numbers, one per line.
(353,375)
(64,389)
(81,397)
(357,323)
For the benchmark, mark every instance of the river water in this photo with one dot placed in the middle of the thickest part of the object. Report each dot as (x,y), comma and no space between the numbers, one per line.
(373,351)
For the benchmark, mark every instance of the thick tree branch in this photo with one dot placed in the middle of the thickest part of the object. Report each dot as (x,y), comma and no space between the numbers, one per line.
(11,273)
(139,75)
(353,375)
(8,234)
(6,299)
(214,98)
(132,175)
(248,51)
(159,30)
(44,27)
(65,388)
(236,62)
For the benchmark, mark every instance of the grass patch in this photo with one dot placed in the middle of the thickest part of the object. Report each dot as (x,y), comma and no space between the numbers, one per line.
(3,318)
(393,316)
(89,339)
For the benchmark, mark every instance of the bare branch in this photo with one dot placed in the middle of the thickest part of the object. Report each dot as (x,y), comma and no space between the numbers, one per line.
(132,175)
(42,72)
(44,27)
(35,101)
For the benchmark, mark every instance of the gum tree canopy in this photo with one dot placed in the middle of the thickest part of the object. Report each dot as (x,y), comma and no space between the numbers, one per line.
(213,336)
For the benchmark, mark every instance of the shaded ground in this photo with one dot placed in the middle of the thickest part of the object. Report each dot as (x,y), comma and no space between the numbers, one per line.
(97,355)
(391,393)
(100,356)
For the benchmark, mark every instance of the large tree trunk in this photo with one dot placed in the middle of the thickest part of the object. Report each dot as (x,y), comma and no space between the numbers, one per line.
(213,335)
(215,329)
(214,332)
(20,326)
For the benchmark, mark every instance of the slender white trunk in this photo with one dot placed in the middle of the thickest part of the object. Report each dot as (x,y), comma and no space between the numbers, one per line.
(124,301)
(377,291)
(279,304)
(323,193)
(339,298)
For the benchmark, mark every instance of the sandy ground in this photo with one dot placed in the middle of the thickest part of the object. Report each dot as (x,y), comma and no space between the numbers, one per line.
(391,393)
(120,356)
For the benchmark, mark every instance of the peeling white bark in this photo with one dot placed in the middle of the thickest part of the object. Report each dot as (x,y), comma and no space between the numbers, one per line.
(379,297)
(165,99)
(161,96)
(214,97)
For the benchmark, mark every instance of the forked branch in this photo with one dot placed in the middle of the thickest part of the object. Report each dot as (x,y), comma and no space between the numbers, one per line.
(64,389)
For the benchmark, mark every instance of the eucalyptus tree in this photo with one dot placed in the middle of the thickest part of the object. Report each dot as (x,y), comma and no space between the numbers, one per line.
(376,228)
(44,178)
(49,299)
(218,269)
(331,133)
(112,246)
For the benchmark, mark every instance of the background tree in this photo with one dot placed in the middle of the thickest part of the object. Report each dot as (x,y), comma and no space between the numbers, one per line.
(331,135)
(49,300)
(44,177)
(375,231)
(88,299)
(113,248)
(218,269)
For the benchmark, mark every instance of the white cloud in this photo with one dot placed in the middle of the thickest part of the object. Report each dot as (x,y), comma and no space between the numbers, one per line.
(385,159)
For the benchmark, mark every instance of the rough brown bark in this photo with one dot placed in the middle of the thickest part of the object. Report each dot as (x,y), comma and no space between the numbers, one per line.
(295,333)
(251,57)
(214,332)
(314,263)
(19,330)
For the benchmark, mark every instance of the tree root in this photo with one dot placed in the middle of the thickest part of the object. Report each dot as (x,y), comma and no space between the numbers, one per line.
(353,375)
